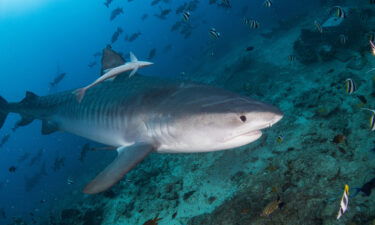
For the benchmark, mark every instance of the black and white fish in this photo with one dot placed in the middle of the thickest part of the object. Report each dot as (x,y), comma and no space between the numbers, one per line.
(69,181)
(350,86)
(372,118)
(343,39)
(338,12)
(253,24)
(344,202)
(214,34)
(186,16)
(267,3)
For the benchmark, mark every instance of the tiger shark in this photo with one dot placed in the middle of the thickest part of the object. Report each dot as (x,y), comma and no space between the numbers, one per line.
(141,115)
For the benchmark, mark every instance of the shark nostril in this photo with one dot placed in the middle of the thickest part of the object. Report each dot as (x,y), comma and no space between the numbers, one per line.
(243,118)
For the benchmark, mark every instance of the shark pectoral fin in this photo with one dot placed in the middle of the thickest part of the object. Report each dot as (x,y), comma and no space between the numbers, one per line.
(48,127)
(127,158)
(133,71)
(25,120)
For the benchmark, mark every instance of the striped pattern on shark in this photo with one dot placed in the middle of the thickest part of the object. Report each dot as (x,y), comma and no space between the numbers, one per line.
(148,114)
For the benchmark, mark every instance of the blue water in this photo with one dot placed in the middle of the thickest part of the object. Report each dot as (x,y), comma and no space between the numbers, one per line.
(39,41)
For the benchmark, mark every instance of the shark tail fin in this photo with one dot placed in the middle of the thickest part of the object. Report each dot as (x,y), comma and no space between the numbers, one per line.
(80,93)
(3,111)
(132,57)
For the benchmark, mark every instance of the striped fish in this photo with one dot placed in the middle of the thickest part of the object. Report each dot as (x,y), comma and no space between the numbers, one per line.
(338,12)
(344,202)
(186,16)
(267,3)
(318,26)
(372,45)
(253,24)
(372,118)
(214,34)
(350,86)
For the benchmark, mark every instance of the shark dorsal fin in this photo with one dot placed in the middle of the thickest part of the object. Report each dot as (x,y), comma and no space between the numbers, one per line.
(132,57)
(30,97)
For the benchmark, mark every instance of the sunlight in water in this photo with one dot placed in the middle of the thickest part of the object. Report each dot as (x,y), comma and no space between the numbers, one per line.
(19,5)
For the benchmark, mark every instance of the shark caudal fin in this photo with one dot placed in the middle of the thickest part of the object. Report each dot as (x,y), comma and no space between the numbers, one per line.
(3,111)
(128,158)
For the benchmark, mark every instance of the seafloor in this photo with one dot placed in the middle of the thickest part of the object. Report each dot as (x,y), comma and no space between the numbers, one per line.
(327,141)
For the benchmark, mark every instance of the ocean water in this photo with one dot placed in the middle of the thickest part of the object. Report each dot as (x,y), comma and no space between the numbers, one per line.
(302,57)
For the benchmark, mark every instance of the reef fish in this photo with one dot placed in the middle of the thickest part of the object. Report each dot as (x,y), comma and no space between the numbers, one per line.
(116,34)
(350,86)
(115,13)
(214,34)
(372,118)
(366,189)
(267,3)
(57,79)
(344,202)
(133,66)
(149,114)
(272,207)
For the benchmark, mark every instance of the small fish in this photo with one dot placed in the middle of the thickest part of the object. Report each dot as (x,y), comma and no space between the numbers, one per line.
(176,26)
(372,118)
(133,37)
(115,13)
(372,45)
(163,13)
(250,48)
(253,24)
(318,26)
(272,207)
(214,34)
(186,16)
(116,34)
(12,169)
(57,79)
(350,86)
(291,58)
(366,189)
(267,3)
(344,202)
(225,4)
(91,64)
(343,39)
(151,54)
(152,221)
(338,12)
(280,139)
(69,181)
(107,3)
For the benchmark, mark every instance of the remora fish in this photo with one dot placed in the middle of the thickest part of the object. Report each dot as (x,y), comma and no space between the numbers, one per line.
(133,65)
(149,114)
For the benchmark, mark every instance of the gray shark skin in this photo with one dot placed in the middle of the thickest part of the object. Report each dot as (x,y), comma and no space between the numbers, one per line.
(140,115)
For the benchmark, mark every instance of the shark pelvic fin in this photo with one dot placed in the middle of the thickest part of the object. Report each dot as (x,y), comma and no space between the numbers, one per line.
(25,120)
(48,127)
(133,71)
(132,57)
(127,158)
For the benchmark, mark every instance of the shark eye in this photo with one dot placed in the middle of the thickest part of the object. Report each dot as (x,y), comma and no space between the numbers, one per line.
(243,118)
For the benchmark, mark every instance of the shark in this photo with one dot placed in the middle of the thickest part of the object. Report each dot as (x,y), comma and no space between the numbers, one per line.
(110,74)
(143,114)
